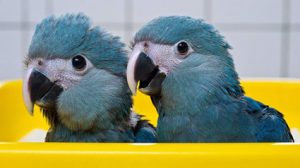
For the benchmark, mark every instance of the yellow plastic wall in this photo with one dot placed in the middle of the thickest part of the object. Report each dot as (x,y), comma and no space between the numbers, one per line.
(15,122)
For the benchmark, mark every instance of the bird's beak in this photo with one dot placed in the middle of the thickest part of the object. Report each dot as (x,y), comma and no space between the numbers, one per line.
(38,89)
(141,69)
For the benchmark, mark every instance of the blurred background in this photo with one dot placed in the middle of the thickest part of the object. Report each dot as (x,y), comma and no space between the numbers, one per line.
(265,34)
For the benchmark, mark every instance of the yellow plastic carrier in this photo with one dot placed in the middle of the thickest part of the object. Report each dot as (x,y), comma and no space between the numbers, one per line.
(15,122)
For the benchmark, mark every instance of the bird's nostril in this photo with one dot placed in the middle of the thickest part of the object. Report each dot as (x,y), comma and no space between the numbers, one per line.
(146,45)
(40,62)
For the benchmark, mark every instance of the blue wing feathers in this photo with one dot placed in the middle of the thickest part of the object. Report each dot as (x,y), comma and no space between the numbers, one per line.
(271,126)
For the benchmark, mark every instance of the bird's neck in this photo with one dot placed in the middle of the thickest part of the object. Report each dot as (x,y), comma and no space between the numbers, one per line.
(199,81)
(117,130)
(119,118)
(61,133)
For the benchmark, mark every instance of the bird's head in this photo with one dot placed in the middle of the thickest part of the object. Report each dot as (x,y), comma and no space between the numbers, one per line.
(173,44)
(76,73)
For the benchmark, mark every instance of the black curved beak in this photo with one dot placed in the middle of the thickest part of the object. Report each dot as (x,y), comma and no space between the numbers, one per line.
(40,90)
(142,69)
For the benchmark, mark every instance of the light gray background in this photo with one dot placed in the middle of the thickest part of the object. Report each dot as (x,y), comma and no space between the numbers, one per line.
(265,34)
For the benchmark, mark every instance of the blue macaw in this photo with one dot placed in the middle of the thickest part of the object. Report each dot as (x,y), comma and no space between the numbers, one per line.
(76,74)
(185,66)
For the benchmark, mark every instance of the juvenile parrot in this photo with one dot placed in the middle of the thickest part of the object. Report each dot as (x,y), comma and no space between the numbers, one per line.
(76,74)
(185,66)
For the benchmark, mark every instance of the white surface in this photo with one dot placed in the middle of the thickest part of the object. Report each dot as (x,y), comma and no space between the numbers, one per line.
(36,135)
(294,60)
(36,10)
(10,10)
(295,11)
(110,13)
(99,11)
(255,54)
(252,27)
(27,41)
(296,135)
(145,10)
(247,11)
(10,57)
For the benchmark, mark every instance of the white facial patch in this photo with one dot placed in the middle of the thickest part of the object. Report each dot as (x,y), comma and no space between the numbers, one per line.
(58,70)
(163,55)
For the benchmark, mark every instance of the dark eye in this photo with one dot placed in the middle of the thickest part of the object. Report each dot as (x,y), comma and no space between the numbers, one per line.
(79,62)
(182,48)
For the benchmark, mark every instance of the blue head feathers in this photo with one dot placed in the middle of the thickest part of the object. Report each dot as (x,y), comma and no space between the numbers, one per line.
(72,34)
(171,29)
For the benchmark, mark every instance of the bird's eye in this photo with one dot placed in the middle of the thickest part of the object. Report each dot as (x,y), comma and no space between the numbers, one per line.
(182,48)
(79,63)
